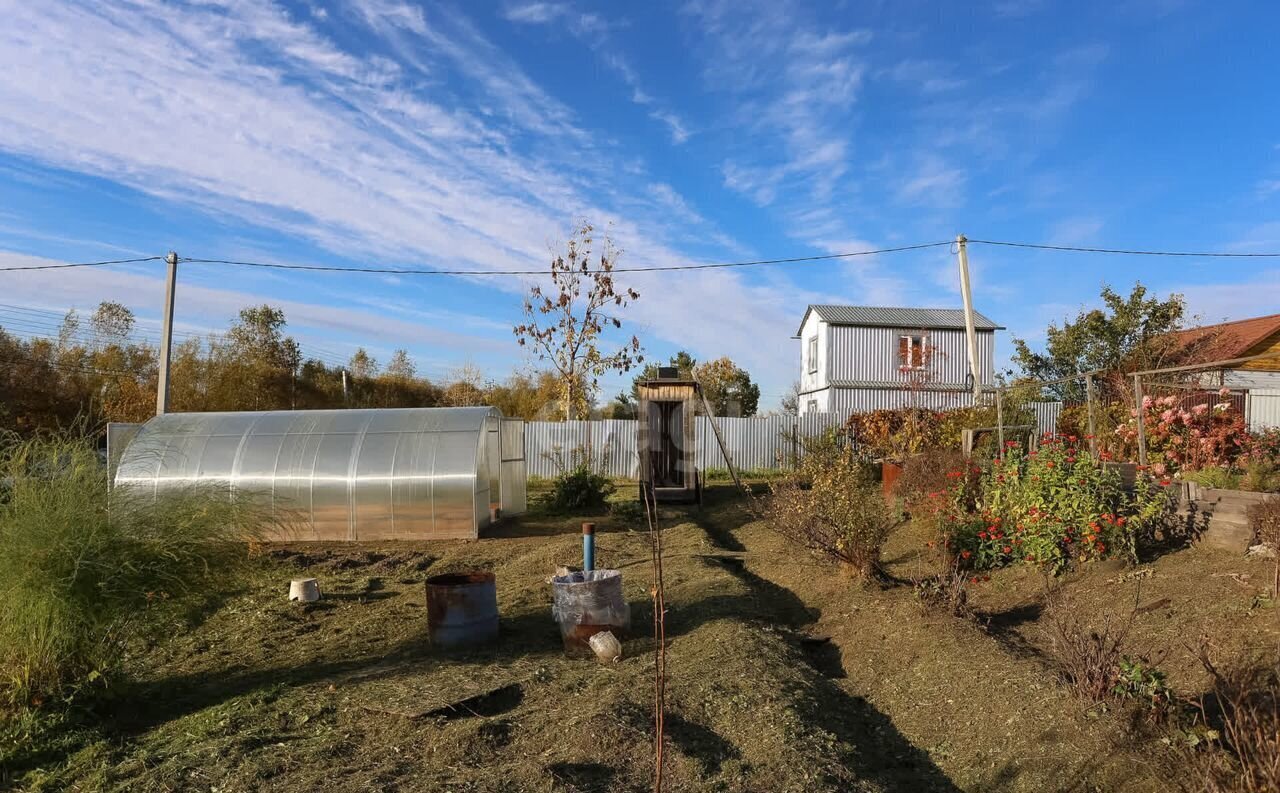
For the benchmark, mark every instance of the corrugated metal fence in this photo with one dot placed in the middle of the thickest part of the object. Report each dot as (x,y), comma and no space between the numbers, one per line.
(753,442)
(1263,408)
(1047,414)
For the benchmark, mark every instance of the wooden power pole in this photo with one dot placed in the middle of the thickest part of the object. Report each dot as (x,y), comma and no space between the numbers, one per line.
(971,335)
(166,336)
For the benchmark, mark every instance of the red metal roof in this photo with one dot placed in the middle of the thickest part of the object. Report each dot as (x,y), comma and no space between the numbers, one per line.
(1231,339)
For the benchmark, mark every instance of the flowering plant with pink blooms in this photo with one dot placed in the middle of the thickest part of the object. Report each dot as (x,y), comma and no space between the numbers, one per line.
(1181,438)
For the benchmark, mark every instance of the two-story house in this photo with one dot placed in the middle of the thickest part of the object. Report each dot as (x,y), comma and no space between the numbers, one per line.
(857,358)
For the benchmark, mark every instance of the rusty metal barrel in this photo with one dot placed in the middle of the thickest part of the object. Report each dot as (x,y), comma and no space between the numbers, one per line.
(462,608)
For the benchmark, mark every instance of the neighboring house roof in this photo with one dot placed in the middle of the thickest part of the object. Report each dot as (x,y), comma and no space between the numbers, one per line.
(886,317)
(1228,340)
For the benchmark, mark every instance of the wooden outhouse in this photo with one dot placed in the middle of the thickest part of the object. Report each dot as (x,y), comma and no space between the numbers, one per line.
(666,436)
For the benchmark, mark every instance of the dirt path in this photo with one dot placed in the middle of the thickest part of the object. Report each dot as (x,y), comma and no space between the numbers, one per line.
(983,714)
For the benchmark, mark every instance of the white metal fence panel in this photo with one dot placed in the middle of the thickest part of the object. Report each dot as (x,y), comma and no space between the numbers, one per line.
(753,442)
(1047,414)
(1262,410)
(611,443)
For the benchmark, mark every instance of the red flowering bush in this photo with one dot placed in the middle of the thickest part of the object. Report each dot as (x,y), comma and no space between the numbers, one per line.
(1181,438)
(1050,507)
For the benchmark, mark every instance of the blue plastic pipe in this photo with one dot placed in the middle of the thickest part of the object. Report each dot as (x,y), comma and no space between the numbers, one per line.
(588,546)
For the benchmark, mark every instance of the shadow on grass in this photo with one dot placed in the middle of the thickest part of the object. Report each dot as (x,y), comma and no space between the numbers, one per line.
(1003,627)
(871,746)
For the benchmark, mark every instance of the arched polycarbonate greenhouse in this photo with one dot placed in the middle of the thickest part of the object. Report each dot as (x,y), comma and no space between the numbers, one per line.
(379,474)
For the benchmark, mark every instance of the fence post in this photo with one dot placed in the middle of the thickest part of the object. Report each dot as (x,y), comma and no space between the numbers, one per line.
(1000,419)
(966,442)
(1142,420)
(1093,424)
(795,443)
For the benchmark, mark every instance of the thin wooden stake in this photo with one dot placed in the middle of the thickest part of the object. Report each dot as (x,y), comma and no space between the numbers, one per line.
(659,632)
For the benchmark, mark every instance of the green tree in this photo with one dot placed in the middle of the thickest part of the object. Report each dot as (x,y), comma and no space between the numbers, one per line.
(566,327)
(362,365)
(727,386)
(683,362)
(401,366)
(256,365)
(1127,334)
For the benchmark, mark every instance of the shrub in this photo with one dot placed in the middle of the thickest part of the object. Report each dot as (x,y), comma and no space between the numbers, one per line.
(924,475)
(1181,438)
(1050,507)
(834,506)
(79,581)
(894,434)
(1264,518)
(1261,475)
(580,489)
(1141,682)
(948,591)
(1213,476)
(1243,711)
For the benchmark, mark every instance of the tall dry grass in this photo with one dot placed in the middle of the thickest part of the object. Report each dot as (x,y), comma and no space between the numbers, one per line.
(84,571)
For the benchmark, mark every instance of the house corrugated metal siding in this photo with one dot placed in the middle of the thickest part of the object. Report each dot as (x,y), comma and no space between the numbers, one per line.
(900,317)
(871,354)
(1263,410)
(844,401)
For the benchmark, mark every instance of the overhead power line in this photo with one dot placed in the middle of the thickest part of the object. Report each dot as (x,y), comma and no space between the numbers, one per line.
(1127,252)
(659,268)
(64,265)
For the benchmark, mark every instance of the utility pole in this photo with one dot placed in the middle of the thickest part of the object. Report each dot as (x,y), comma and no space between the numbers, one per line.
(971,335)
(166,336)
(344,386)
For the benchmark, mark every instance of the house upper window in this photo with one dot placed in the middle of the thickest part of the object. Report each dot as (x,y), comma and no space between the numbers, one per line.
(812,407)
(911,351)
(811,360)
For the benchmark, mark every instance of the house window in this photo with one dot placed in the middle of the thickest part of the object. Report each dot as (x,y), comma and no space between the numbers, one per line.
(812,407)
(911,351)
(813,355)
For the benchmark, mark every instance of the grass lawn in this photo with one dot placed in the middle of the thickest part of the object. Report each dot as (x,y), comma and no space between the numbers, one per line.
(784,676)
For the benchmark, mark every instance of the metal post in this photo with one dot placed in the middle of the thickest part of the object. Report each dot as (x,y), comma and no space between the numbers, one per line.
(1142,420)
(588,546)
(1093,423)
(971,335)
(166,336)
(344,386)
(1000,419)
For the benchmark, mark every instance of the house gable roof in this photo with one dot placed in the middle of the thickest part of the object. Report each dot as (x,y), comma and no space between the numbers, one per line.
(1231,339)
(887,317)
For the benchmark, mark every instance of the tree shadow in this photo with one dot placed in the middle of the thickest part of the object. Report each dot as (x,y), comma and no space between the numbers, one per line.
(582,777)
(1003,627)
(699,742)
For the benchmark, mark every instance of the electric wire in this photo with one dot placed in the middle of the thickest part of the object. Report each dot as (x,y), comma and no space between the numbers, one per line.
(659,268)
(65,265)
(1128,252)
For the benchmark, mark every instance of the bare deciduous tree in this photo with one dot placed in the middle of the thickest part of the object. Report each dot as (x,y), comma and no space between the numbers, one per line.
(565,325)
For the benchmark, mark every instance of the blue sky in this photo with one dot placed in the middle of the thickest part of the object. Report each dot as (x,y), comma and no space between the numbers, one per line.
(472,135)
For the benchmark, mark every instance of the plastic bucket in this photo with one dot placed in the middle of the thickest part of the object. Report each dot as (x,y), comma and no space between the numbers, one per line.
(462,608)
(586,603)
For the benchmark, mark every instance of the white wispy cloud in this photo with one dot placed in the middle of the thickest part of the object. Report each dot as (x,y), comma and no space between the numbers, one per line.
(593,30)
(269,121)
